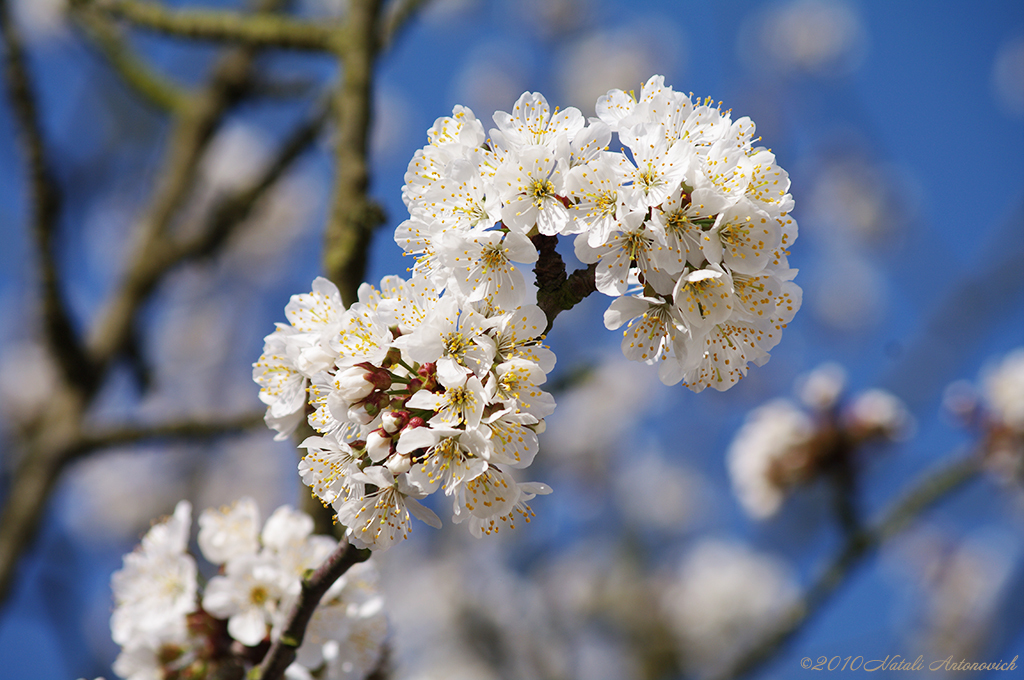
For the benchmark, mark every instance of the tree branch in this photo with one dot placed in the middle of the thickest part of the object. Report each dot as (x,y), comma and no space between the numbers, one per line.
(157,90)
(232,210)
(156,255)
(396,20)
(354,217)
(931,489)
(557,292)
(44,208)
(187,430)
(253,30)
(282,652)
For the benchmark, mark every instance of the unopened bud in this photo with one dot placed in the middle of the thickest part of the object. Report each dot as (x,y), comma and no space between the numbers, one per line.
(398,464)
(392,421)
(380,378)
(353,385)
(415,421)
(378,445)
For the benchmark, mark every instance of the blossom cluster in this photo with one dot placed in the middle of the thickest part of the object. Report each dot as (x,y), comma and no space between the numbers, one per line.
(168,626)
(411,390)
(782,445)
(687,226)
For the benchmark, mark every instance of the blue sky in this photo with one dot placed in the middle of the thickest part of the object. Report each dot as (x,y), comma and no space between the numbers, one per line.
(904,120)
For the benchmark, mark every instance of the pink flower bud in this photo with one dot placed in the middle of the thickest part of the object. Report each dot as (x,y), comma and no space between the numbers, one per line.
(415,421)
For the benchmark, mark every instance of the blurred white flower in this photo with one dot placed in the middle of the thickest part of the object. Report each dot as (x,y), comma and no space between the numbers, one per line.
(596,62)
(587,424)
(879,412)
(766,456)
(725,597)
(28,379)
(804,36)
(156,588)
(655,494)
(821,388)
(229,531)
(1008,76)
(42,20)
(1003,391)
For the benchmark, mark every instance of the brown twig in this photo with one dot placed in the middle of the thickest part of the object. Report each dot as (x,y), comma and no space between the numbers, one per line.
(354,217)
(44,208)
(181,430)
(282,652)
(557,292)
(254,30)
(151,86)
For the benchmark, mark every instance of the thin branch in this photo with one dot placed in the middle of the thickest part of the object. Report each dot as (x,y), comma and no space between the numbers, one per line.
(398,16)
(44,206)
(557,292)
(184,430)
(192,131)
(354,217)
(930,490)
(282,652)
(232,210)
(253,30)
(153,87)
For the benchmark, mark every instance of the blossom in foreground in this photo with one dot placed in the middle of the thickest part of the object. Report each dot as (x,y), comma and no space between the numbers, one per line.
(170,626)
(690,214)
(435,382)
(425,390)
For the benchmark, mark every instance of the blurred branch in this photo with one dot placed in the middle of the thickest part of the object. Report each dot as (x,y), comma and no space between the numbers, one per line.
(188,430)
(930,490)
(148,84)
(557,292)
(232,210)
(194,126)
(254,30)
(354,217)
(44,207)
(282,652)
(49,447)
(396,19)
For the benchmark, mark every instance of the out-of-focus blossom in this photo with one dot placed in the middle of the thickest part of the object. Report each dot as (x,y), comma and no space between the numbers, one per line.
(961,584)
(1003,390)
(724,598)
(28,379)
(852,294)
(42,20)
(1008,76)
(996,408)
(164,632)
(656,495)
(821,388)
(595,62)
(769,454)
(782,446)
(817,37)
(878,413)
